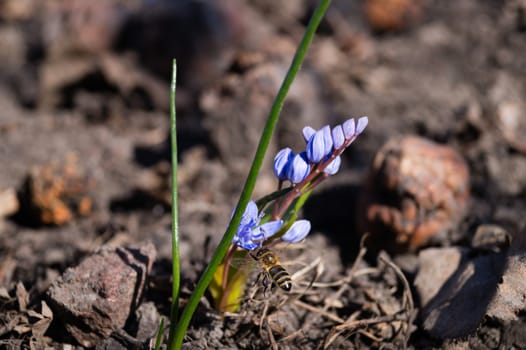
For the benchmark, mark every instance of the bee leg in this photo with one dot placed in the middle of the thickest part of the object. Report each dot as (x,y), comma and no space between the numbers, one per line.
(257,279)
(267,285)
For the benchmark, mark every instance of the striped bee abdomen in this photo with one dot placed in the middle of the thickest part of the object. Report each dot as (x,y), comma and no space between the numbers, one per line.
(281,277)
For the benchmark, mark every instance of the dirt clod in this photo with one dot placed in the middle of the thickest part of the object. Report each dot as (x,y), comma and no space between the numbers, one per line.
(416,189)
(55,192)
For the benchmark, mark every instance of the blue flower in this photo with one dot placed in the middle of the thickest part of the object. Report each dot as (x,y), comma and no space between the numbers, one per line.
(299,168)
(282,163)
(319,145)
(250,235)
(297,232)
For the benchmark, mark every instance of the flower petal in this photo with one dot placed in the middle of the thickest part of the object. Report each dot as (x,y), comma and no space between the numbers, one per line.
(299,169)
(362,123)
(250,216)
(334,166)
(297,232)
(318,143)
(270,228)
(349,128)
(327,139)
(338,137)
(248,244)
(307,133)
(282,162)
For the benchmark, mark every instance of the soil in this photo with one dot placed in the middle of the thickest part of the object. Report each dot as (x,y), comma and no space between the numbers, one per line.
(84,148)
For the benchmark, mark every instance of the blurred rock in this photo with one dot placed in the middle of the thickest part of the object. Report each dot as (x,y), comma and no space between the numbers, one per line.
(458,287)
(17,10)
(148,319)
(415,190)
(491,238)
(8,202)
(436,266)
(55,192)
(507,102)
(96,298)
(200,34)
(509,301)
(392,15)
(77,26)
(91,84)
(13,47)
(506,172)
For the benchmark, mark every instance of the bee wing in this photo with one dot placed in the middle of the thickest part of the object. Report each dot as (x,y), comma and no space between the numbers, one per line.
(246,263)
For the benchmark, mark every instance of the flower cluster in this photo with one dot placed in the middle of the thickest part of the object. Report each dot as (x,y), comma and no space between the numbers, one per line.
(321,156)
(323,150)
(251,235)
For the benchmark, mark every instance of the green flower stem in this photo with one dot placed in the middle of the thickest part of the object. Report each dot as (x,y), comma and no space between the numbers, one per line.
(272,120)
(176,269)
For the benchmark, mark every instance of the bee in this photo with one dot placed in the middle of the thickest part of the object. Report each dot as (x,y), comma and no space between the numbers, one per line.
(269,263)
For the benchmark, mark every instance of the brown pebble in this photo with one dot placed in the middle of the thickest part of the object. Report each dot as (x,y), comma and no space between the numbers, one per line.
(54,193)
(392,15)
(416,188)
(96,298)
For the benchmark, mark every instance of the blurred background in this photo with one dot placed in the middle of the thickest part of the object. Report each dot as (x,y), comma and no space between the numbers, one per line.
(84,119)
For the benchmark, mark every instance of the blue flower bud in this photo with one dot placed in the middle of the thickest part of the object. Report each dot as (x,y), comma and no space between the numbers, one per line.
(334,166)
(362,123)
(307,133)
(282,162)
(297,232)
(337,136)
(327,139)
(299,169)
(349,128)
(319,145)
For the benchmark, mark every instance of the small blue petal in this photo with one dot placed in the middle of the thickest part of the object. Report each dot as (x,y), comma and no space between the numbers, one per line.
(307,133)
(337,136)
(349,128)
(248,245)
(362,123)
(316,147)
(334,166)
(250,216)
(299,168)
(297,232)
(270,228)
(282,162)
(257,235)
(327,139)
